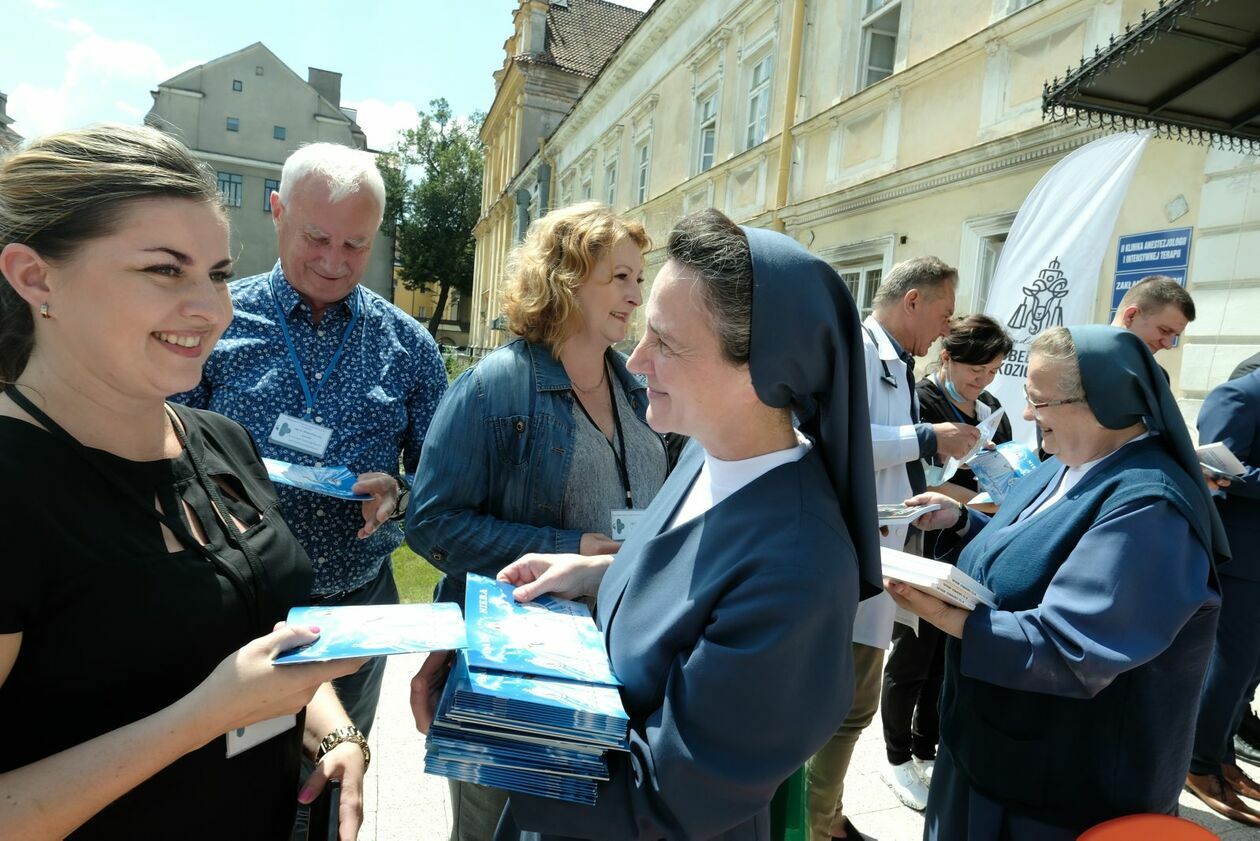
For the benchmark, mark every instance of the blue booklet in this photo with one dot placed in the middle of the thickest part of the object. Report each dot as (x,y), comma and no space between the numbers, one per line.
(371,630)
(329,481)
(548,637)
(998,470)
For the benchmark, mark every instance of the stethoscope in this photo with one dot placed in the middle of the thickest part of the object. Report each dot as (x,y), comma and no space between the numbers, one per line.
(887,376)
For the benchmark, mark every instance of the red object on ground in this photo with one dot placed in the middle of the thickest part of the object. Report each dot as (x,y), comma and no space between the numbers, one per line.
(1148,828)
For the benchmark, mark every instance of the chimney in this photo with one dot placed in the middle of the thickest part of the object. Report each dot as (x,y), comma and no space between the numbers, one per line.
(535,40)
(327,83)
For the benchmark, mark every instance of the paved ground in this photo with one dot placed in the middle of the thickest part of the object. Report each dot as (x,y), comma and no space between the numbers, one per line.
(402,802)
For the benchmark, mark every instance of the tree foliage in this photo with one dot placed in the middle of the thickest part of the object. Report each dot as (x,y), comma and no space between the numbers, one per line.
(433,200)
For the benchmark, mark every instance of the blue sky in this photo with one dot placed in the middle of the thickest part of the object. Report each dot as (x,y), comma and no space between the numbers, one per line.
(66,63)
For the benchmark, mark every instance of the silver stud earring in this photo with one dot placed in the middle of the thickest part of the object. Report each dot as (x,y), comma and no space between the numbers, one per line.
(43,311)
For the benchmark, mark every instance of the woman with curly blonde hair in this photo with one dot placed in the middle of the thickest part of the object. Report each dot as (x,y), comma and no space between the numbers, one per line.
(543,446)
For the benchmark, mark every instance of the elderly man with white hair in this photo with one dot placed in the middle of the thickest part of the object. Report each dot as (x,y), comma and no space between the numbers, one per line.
(325,372)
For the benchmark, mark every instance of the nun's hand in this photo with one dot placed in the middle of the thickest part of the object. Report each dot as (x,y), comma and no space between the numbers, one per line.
(946,517)
(567,576)
(952,620)
(1215,481)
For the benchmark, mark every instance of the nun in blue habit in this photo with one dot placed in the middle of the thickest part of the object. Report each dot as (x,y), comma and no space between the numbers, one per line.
(1074,701)
(728,612)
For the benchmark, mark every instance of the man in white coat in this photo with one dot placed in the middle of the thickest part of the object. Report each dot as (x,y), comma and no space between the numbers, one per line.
(912,308)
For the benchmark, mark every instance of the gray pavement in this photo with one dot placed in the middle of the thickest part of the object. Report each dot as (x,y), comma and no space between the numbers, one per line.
(402,803)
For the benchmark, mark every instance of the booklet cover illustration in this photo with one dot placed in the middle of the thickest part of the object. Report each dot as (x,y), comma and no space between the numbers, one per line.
(329,481)
(998,470)
(371,630)
(548,637)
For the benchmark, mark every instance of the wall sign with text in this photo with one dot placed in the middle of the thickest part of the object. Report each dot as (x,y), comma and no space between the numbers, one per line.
(1154,252)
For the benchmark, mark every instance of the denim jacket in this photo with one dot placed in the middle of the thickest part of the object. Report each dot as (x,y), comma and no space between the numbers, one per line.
(495,464)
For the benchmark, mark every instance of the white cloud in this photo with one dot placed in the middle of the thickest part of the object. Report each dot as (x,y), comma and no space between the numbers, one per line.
(382,121)
(104,80)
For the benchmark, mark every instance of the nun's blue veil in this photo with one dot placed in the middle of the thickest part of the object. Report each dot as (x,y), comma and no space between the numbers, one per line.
(806,355)
(1124,385)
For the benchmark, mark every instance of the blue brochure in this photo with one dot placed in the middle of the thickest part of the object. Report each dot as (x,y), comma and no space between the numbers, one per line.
(371,630)
(998,470)
(547,637)
(329,481)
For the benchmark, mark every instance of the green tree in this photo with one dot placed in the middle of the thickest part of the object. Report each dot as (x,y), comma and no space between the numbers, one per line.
(433,200)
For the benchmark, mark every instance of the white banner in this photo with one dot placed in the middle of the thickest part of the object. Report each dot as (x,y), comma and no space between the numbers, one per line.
(1047,275)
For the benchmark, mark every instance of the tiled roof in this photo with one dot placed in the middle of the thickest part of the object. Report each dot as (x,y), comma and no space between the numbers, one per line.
(583,34)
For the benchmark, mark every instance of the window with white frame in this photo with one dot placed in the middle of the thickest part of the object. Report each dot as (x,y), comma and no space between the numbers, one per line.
(588,191)
(980,248)
(881,23)
(990,249)
(642,166)
(610,183)
(758,101)
(706,138)
(863,279)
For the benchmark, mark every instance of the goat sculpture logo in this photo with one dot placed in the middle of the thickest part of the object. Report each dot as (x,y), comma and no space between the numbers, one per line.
(1041,307)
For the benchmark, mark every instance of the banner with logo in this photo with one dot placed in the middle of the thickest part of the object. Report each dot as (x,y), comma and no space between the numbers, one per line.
(1047,275)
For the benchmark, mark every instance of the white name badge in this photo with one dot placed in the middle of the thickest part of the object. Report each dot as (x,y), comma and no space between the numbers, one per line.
(243,738)
(623,522)
(300,435)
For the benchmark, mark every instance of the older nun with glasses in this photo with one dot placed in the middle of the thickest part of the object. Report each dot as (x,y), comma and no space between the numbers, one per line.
(1073,701)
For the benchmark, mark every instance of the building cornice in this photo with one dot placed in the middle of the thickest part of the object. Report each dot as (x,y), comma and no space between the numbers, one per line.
(1010,154)
(344,121)
(217,157)
(182,92)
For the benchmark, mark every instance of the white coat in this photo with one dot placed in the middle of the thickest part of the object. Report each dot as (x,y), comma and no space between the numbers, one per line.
(895,443)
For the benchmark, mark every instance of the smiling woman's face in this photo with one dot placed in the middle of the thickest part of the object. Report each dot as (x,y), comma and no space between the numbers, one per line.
(1069,430)
(137,312)
(693,389)
(611,292)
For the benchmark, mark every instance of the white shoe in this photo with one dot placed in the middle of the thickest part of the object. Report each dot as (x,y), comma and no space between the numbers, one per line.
(924,767)
(905,782)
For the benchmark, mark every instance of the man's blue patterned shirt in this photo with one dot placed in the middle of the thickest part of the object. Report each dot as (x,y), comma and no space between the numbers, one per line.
(378,402)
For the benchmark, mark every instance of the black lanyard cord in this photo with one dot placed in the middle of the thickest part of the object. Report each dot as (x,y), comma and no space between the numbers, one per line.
(618,434)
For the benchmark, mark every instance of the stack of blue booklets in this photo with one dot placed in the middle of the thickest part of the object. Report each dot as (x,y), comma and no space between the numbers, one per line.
(532,705)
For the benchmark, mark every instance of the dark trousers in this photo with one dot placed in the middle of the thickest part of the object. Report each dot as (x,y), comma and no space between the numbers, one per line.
(358,692)
(1232,675)
(912,685)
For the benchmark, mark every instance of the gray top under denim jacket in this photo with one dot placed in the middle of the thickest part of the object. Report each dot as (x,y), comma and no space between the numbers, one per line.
(495,463)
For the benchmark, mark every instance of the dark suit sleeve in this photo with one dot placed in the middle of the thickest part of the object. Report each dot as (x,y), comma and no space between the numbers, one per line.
(763,688)
(1230,415)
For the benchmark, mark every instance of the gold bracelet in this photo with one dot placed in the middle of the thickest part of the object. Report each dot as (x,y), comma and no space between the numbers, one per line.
(349,733)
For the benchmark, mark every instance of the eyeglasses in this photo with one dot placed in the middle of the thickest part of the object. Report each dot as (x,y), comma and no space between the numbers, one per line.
(1047,403)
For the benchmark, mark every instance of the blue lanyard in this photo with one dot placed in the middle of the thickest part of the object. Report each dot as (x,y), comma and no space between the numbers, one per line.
(312,396)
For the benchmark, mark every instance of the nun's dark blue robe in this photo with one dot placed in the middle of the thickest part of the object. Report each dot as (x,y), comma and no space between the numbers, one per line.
(1074,701)
(732,636)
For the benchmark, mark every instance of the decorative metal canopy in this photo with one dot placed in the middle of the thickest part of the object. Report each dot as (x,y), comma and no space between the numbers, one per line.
(1190,70)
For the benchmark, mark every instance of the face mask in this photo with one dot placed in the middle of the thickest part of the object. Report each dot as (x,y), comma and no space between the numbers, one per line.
(950,391)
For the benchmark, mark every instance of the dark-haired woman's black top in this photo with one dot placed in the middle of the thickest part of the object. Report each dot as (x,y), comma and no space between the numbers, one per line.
(115,626)
(934,407)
